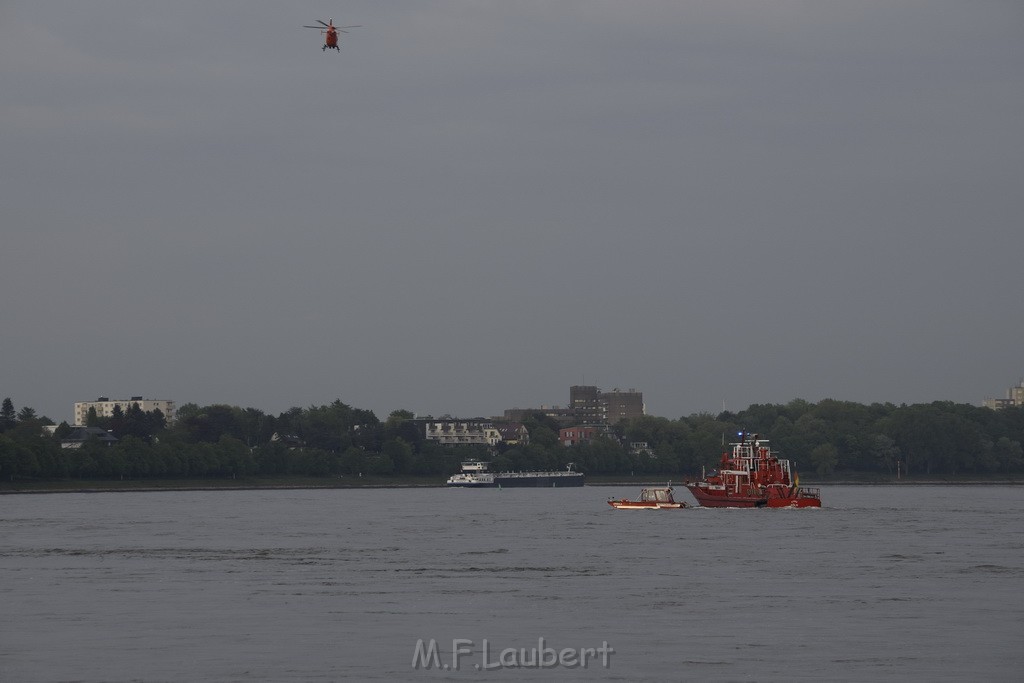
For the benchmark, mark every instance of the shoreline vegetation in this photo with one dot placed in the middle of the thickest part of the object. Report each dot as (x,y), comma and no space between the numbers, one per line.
(313,483)
(221,447)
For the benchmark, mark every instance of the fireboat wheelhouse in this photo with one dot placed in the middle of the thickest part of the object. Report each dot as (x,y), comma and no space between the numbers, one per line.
(749,476)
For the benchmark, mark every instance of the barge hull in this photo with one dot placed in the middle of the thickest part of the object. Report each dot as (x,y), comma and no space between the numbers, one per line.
(538,481)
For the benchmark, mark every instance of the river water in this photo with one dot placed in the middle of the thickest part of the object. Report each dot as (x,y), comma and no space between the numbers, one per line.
(913,583)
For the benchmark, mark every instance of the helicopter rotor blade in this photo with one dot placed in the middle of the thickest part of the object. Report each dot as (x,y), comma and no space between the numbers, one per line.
(341,27)
(327,25)
(319,27)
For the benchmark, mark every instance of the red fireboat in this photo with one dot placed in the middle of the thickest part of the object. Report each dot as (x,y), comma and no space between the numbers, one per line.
(751,476)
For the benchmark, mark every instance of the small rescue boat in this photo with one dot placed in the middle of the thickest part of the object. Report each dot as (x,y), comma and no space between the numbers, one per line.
(650,499)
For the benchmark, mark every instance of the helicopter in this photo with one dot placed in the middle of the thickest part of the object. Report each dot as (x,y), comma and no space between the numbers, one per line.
(330,33)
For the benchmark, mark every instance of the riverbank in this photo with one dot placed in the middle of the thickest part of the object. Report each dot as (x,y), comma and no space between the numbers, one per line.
(285,483)
(238,484)
(854,480)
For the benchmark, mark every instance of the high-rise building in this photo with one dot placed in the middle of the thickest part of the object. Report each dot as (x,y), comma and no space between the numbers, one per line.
(591,406)
(1014,397)
(585,402)
(622,405)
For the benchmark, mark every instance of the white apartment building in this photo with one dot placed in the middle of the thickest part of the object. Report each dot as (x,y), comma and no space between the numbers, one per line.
(452,432)
(105,407)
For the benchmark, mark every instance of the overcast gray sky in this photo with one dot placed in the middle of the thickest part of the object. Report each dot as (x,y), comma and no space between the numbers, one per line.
(477,204)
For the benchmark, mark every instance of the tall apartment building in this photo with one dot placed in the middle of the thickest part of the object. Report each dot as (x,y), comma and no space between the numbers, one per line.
(623,405)
(591,406)
(1014,397)
(105,407)
(585,402)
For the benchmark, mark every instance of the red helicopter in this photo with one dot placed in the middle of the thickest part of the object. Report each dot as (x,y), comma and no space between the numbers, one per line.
(330,33)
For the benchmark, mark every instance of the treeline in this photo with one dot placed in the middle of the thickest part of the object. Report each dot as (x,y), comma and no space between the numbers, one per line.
(826,438)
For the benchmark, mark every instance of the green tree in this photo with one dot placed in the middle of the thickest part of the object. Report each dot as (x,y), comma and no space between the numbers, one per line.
(379,464)
(136,457)
(759,418)
(601,456)
(543,430)
(824,457)
(400,454)
(399,416)
(209,423)
(1009,455)
(17,460)
(273,458)
(327,427)
(884,452)
(256,427)
(117,421)
(134,423)
(8,416)
(236,458)
(316,462)
(352,461)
